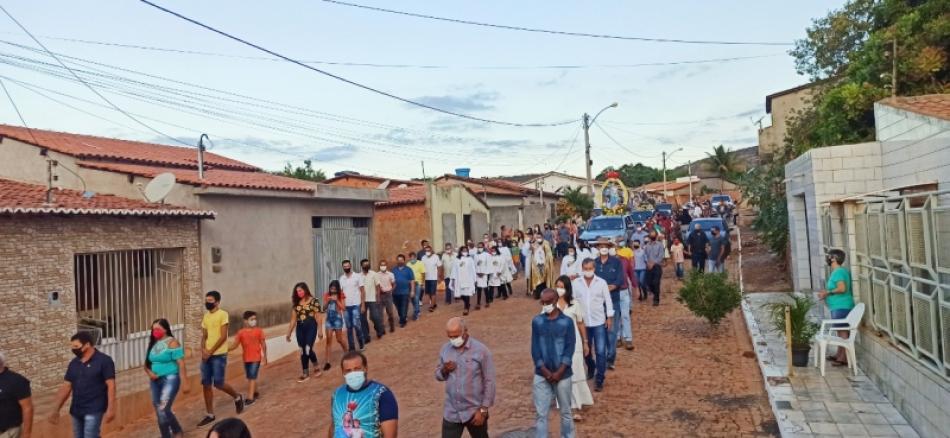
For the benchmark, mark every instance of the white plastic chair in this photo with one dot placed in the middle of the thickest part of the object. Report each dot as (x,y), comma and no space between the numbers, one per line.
(826,337)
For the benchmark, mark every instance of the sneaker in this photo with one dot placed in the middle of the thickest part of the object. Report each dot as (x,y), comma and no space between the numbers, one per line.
(598,388)
(303,378)
(610,367)
(656,303)
(239,404)
(249,402)
(629,345)
(208,419)
(619,343)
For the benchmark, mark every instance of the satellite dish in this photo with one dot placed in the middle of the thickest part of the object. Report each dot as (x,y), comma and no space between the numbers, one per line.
(159,187)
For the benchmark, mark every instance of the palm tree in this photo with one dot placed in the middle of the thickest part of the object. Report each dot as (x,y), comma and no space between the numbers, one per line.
(578,200)
(724,163)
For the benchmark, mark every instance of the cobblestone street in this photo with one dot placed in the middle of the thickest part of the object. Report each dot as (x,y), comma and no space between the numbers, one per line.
(683,379)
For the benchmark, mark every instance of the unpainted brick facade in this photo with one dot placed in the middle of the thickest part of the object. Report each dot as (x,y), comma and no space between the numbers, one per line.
(398,229)
(36,257)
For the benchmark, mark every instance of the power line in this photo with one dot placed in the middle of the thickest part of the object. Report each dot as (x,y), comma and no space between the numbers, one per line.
(51,54)
(349,81)
(18,113)
(622,146)
(556,32)
(411,66)
(569,150)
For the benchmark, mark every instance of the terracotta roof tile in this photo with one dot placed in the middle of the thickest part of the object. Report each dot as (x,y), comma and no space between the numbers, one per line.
(92,147)
(404,195)
(658,186)
(212,177)
(22,198)
(933,105)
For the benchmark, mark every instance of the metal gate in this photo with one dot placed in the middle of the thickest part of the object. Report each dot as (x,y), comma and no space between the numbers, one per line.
(903,264)
(120,293)
(336,239)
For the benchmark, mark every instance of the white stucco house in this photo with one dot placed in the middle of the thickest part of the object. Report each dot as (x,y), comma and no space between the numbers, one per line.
(886,203)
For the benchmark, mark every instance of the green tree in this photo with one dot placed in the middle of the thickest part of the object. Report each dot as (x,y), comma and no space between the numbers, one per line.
(305,172)
(576,198)
(724,162)
(635,175)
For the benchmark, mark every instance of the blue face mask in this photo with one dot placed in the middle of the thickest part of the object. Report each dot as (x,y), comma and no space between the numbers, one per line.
(355,379)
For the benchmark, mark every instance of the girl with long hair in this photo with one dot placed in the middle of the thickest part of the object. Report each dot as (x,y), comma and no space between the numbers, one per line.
(334,321)
(580,392)
(305,320)
(165,366)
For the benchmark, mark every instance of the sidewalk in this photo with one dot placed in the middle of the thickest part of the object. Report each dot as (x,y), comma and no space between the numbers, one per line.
(809,405)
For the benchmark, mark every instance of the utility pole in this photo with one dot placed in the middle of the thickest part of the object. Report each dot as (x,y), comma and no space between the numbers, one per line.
(590,184)
(689,171)
(894,67)
(664,175)
(201,156)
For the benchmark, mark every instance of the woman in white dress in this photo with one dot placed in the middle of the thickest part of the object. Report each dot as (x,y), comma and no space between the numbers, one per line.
(463,278)
(580,392)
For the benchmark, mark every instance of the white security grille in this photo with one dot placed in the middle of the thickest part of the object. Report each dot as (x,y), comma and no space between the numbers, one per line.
(120,293)
(903,263)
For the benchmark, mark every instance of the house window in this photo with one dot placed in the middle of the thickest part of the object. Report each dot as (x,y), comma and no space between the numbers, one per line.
(316,222)
(361,222)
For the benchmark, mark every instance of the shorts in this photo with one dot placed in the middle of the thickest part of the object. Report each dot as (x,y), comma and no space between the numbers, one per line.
(212,370)
(334,321)
(251,369)
(431,286)
(840,314)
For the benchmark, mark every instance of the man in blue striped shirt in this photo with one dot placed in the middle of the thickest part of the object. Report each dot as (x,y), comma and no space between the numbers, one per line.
(467,368)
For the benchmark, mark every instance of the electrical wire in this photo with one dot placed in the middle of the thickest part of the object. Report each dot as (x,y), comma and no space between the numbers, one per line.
(412,66)
(51,54)
(556,32)
(349,81)
(621,146)
(569,150)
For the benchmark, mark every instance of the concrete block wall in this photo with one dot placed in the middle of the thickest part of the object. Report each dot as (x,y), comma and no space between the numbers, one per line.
(916,148)
(920,394)
(36,257)
(398,230)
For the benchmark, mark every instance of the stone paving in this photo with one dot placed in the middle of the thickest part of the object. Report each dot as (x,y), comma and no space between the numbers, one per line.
(683,379)
(807,404)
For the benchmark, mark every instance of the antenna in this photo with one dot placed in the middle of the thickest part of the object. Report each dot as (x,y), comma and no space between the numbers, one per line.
(384,184)
(159,187)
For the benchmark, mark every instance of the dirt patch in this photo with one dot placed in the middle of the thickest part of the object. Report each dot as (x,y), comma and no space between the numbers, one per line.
(732,402)
(762,271)
(684,416)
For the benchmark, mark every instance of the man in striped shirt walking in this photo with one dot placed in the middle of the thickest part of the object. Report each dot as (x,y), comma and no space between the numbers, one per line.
(466,367)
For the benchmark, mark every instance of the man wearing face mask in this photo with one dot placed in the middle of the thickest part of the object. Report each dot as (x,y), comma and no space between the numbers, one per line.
(432,263)
(655,253)
(214,356)
(387,284)
(90,379)
(351,285)
(482,271)
(467,368)
(463,280)
(609,267)
(552,350)
(448,271)
(362,407)
(594,294)
(373,310)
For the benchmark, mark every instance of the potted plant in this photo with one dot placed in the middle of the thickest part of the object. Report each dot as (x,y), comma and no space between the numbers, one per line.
(803,329)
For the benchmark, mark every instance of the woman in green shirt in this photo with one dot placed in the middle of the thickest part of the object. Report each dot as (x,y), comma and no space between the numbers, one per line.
(838,297)
(165,366)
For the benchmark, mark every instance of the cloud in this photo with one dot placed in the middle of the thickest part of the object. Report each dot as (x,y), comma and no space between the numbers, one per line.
(680,71)
(506,143)
(553,81)
(750,113)
(741,140)
(697,70)
(479,101)
(334,153)
(455,124)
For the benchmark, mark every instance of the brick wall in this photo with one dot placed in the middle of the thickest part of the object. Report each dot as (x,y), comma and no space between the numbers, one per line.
(36,257)
(398,229)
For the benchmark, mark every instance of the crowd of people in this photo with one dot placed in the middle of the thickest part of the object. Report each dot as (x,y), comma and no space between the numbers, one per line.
(585,290)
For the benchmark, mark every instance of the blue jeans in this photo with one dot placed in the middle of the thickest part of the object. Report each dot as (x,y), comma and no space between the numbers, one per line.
(626,330)
(544,392)
(164,390)
(713,266)
(417,301)
(212,370)
(87,426)
(448,292)
(597,339)
(679,271)
(402,307)
(352,320)
(641,281)
(614,331)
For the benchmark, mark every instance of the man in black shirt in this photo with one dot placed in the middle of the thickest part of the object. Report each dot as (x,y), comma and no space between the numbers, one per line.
(696,244)
(90,378)
(16,403)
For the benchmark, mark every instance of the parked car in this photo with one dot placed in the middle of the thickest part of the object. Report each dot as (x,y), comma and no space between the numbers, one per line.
(718,199)
(640,217)
(707,223)
(611,227)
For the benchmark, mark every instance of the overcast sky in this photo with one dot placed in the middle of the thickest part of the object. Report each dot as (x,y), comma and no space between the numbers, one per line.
(488,73)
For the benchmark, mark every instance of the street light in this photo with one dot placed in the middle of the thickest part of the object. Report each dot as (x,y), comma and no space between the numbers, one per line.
(587,122)
(665,156)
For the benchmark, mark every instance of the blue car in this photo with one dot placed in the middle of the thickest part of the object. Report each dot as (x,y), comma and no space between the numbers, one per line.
(611,227)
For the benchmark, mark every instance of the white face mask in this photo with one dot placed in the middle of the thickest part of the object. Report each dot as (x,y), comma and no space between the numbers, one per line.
(604,251)
(589,274)
(561,291)
(428,253)
(252,323)
(612,251)
(547,308)
(382,269)
(457,342)
(480,250)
